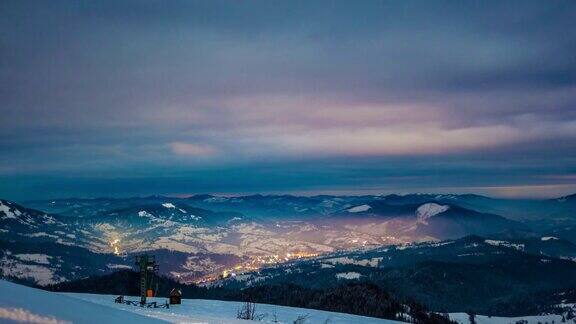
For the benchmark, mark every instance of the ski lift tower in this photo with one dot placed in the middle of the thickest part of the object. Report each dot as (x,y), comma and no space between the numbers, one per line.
(148,268)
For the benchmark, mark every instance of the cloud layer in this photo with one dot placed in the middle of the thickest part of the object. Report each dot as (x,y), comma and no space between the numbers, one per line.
(226,96)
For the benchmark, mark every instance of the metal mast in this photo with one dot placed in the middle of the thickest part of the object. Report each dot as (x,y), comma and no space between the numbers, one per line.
(148,268)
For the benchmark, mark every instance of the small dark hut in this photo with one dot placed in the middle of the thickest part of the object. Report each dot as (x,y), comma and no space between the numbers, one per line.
(175,296)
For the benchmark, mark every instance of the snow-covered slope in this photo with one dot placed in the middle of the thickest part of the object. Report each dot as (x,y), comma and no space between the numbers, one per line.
(428,210)
(360,208)
(23,304)
(215,311)
(463,318)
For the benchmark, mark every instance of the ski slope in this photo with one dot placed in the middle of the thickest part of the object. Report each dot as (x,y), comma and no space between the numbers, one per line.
(23,304)
(215,311)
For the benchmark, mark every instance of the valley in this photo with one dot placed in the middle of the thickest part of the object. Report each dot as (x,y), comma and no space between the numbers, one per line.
(202,238)
(417,247)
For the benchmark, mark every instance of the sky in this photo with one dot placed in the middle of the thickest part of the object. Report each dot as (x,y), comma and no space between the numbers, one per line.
(125,98)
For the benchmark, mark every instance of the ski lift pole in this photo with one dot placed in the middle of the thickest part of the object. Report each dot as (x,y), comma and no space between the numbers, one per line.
(142,262)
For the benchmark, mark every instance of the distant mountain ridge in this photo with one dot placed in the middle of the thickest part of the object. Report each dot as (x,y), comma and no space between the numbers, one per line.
(291,205)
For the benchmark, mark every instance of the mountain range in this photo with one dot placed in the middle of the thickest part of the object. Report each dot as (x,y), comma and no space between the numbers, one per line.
(199,238)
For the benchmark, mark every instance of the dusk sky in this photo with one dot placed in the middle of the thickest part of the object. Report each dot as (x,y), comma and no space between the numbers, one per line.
(122,98)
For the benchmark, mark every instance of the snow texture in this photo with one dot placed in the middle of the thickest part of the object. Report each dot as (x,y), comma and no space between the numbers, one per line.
(359,209)
(40,274)
(424,212)
(348,275)
(23,304)
(8,213)
(36,258)
(215,311)
(517,246)
(463,318)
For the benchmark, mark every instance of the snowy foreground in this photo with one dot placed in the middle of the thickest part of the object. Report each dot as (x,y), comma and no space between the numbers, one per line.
(463,318)
(23,304)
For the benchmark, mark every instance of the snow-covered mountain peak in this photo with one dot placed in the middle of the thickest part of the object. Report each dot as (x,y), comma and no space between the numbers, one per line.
(7,211)
(358,209)
(144,213)
(424,212)
(168,205)
(11,212)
